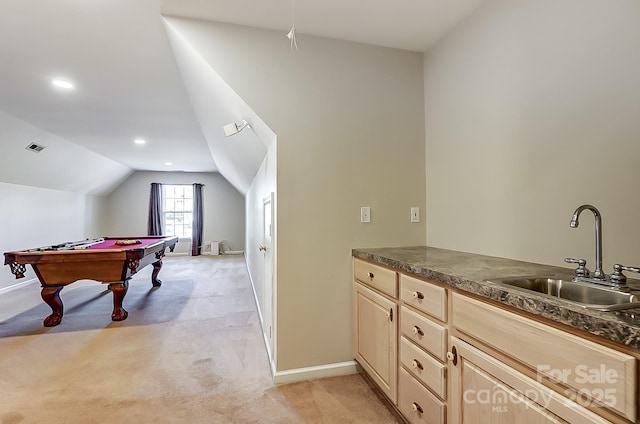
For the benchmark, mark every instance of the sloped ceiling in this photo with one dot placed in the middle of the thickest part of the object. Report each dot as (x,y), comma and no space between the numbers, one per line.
(129,84)
(215,104)
(401,24)
(61,165)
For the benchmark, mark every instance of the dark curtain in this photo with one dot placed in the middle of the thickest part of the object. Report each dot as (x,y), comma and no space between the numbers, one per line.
(154,224)
(196,236)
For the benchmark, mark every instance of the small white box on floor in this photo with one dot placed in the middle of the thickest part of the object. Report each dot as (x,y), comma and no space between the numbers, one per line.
(210,247)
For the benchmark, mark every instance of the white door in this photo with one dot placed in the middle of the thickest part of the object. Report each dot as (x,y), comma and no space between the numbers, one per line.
(267,278)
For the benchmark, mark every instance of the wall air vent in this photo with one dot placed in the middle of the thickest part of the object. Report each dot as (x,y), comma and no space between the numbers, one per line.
(35,147)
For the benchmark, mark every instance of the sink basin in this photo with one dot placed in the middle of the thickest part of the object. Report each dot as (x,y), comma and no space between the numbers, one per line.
(587,295)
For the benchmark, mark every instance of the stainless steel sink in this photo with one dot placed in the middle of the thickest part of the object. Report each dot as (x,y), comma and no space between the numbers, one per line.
(587,295)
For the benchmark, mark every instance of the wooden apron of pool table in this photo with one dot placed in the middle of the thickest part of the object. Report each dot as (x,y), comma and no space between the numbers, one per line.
(109,260)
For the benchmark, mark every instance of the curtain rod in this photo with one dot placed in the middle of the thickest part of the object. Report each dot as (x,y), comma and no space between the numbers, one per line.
(179,184)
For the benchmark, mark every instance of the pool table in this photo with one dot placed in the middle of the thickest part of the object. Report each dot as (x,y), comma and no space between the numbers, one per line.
(109,260)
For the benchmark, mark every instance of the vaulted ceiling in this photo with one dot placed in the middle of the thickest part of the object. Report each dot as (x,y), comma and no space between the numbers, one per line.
(129,83)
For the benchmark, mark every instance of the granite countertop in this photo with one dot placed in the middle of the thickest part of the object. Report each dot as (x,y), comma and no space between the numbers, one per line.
(467,272)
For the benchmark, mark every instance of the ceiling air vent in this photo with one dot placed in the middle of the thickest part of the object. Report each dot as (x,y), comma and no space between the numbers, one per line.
(35,147)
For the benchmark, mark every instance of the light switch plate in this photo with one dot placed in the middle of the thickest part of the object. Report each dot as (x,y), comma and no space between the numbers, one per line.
(365,214)
(415,214)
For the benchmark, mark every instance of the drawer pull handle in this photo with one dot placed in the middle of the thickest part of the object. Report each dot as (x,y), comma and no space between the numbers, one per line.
(417,364)
(417,295)
(416,408)
(417,331)
(370,274)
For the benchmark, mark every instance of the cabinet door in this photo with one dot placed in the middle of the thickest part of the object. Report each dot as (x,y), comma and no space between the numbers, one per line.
(594,375)
(484,390)
(375,341)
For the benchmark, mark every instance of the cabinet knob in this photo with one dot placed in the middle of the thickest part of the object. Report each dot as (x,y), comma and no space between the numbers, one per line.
(416,408)
(453,355)
(417,295)
(262,248)
(370,274)
(417,364)
(417,330)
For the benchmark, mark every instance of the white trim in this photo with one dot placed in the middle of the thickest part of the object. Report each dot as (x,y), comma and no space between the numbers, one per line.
(17,285)
(255,299)
(265,338)
(233,252)
(178,253)
(320,371)
(272,363)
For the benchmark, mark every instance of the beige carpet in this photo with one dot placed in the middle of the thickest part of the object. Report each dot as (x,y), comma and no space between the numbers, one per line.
(190,352)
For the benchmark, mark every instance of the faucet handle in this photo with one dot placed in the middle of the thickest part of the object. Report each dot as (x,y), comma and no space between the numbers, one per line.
(618,277)
(582,270)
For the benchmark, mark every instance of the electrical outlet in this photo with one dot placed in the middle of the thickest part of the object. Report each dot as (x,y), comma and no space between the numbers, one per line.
(365,214)
(415,214)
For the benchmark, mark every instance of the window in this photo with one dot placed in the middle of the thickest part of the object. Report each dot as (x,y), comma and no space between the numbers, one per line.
(178,210)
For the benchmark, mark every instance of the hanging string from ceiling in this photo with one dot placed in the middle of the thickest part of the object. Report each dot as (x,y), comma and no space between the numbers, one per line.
(292,33)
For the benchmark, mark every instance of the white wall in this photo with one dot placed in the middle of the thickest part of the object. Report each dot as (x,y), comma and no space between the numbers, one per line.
(127,207)
(261,188)
(34,217)
(532,110)
(349,121)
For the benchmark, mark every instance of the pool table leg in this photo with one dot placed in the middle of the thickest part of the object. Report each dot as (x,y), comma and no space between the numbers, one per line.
(154,275)
(119,291)
(51,296)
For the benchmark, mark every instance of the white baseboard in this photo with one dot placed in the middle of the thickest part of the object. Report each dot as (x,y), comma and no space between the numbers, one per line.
(18,285)
(272,364)
(300,374)
(311,373)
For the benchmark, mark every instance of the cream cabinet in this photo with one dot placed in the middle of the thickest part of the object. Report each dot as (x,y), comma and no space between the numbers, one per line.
(587,378)
(376,277)
(422,385)
(443,356)
(485,390)
(375,325)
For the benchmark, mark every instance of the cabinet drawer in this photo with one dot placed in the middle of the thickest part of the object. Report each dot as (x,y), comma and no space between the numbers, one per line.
(417,404)
(590,371)
(424,332)
(375,276)
(423,367)
(427,297)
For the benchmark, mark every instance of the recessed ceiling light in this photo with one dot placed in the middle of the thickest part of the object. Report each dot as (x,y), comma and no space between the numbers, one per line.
(168,163)
(62,84)
(139,141)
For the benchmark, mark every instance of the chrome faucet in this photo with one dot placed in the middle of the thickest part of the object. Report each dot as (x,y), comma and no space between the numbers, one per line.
(597,274)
